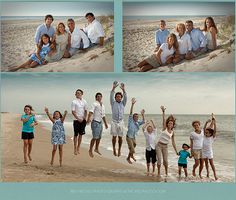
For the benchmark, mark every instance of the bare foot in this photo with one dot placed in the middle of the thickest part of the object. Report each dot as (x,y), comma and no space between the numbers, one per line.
(78,150)
(193,173)
(153,173)
(26,162)
(208,176)
(119,153)
(91,154)
(96,150)
(133,159)
(129,161)
(147,173)
(216,178)
(51,163)
(114,153)
(200,176)
(75,152)
(30,159)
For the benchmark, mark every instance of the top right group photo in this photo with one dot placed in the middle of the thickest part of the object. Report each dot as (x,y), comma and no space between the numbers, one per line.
(178,37)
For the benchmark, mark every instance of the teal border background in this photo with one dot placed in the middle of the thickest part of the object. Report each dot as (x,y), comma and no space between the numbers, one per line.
(118,191)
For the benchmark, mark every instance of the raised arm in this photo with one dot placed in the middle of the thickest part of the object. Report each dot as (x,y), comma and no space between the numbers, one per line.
(145,125)
(214,124)
(49,116)
(153,124)
(122,86)
(204,128)
(115,84)
(133,101)
(163,118)
(64,116)
(143,116)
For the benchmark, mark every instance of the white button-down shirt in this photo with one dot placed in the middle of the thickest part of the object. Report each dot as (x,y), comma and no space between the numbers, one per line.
(98,111)
(79,106)
(94,31)
(184,43)
(76,36)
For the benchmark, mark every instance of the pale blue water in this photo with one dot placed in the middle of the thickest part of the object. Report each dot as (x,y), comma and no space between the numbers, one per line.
(223,147)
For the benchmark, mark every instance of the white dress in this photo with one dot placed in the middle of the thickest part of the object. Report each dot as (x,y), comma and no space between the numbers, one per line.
(207,151)
(209,40)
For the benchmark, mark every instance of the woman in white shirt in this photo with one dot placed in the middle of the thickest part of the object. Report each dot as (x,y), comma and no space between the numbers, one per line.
(167,134)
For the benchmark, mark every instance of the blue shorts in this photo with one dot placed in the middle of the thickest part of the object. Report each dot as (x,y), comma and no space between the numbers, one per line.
(96,129)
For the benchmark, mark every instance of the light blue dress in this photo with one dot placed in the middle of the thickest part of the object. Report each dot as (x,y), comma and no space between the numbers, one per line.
(58,133)
(44,51)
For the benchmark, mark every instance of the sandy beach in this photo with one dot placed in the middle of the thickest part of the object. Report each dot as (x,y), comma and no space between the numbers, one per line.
(139,42)
(18,42)
(80,168)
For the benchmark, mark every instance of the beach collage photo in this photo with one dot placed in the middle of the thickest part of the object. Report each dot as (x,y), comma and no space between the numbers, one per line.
(118,92)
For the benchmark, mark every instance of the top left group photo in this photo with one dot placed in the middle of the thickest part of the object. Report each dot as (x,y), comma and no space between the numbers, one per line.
(57,36)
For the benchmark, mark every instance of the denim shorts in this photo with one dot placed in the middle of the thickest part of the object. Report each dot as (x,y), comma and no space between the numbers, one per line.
(96,129)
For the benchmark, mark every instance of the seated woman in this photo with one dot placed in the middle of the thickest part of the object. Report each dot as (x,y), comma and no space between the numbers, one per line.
(185,47)
(62,39)
(163,56)
(210,31)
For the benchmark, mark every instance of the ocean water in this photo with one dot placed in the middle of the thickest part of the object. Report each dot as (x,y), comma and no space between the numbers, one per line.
(223,147)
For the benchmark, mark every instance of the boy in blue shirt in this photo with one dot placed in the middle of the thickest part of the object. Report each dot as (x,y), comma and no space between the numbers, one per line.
(133,128)
(161,35)
(182,162)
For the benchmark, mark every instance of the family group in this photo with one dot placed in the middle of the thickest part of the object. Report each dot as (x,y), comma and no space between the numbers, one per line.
(201,140)
(188,43)
(53,45)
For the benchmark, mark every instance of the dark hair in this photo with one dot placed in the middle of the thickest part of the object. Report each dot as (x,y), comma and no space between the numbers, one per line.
(119,93)
(70,20)
(89,14)
(135,114)
(185,145)
(196,121)
(97,94)
(163,21)
(211,131)
(58,112)
(171,119)
(29,106)
(79,90)
(189,22)
(48,16)
(176,44)
(41,40)
(212,22)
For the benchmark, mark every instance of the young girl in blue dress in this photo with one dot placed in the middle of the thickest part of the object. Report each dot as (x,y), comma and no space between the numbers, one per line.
(58,133)
(29,122)
(37,58)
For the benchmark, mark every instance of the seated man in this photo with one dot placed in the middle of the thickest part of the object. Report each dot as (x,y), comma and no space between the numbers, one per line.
(198,40)
(79,39)
(94,30)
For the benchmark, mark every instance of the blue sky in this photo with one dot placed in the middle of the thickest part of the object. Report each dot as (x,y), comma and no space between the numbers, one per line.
(182,93)
(175,9)
(55,8)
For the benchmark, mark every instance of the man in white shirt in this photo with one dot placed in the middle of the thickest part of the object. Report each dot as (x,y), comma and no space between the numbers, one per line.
(98,113)
(79,39)
(79,111)
(94,30)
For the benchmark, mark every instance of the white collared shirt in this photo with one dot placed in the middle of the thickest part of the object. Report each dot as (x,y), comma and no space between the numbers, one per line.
(98,111)
(94,31)
(76,37)
(79,106)
(184,43)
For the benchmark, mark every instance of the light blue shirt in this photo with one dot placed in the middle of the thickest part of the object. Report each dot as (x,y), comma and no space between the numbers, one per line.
(26,125)
(161,36)
(133,127)
(43,29)
(197,39)
(117,108)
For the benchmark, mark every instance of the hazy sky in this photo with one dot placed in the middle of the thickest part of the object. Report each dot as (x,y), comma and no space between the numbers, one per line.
(182,93)
(181,8)
(55,8)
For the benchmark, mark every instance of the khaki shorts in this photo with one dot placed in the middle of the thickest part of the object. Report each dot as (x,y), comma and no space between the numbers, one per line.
(197,154)
(162,151)
(131,144)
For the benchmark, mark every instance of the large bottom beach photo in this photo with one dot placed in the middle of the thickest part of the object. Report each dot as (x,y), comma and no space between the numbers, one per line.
(182,97)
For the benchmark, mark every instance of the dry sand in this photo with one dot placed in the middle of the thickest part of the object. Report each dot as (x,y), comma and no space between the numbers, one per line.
(80,168)
(139,42)
(18,42)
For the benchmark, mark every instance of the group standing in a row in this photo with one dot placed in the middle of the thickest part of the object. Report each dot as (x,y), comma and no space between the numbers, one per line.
(200,140)
(188,43)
